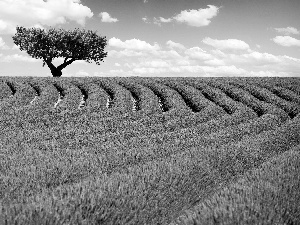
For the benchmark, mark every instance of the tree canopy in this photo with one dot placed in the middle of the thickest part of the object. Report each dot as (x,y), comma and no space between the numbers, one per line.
(77,44)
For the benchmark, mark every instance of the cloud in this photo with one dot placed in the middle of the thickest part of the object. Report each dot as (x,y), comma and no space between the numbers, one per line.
(229,44)
(173,59)
(197,18)
(198,53)
(133,44)
(215,62)
(161,20)
(18,57)
(2,44)
(286,41)
(82,73)
(287,31)
(125,52)
(106,18)
(174,45)
(146,20)
(172,54)
(145,1)
(40,12)
(157,63)
(258,58)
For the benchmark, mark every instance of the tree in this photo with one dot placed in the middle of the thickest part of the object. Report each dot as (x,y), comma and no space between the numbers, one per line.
(70,45)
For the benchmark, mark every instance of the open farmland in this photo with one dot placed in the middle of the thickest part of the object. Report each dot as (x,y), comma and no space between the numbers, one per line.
(149,150)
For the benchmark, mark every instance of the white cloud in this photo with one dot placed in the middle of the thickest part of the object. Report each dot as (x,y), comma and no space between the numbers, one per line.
(18,57)
(39,12)
(225,70)
(161,20)
(117,64)
(106,18)
(82,73)
(218,53)
(145,19)
(198,53)
(141,58)
(229,44)
(157,63)
(260,58)
(268,73)
(287,31)
(165,54)
(291,58)
(133,44)
(145,1)
(144,70)
(125,52)
(197,18)
(175,45)
(286,41)
(2,44)
(215,62)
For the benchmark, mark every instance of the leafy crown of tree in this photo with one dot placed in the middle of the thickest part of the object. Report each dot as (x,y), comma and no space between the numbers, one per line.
(77,44)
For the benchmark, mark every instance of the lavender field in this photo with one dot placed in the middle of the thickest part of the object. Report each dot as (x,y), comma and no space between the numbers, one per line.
(149,150)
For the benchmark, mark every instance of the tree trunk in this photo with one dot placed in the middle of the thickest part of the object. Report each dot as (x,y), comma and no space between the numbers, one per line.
(55,71)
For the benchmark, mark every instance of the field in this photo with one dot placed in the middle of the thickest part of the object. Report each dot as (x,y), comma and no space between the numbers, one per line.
(149,150)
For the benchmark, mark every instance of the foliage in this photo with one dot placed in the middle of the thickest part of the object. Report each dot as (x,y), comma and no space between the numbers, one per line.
(77,44)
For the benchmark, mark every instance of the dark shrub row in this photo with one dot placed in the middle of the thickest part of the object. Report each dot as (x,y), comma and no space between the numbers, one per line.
(263,94)
(282,92)
(171,101)
(5,91)
(71,95)
(246,98)
(151,193)
(217,96)
(147,101)
(120,96)
(23,96)
(129,128)
(51,119)
(192,96)
(268,195)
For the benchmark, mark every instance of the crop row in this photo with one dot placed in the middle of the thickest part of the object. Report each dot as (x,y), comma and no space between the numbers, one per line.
(119,98)
(267,195)
(21,97)
(156,122)
(148,193)
(138,148)
(72,96)
(128,128)
(292,109)
(245,97)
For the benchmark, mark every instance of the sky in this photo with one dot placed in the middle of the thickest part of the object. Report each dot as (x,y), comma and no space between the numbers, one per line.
(163,38)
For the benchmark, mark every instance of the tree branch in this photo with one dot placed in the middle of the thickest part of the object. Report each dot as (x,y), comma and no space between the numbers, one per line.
(66,59)
(66,63)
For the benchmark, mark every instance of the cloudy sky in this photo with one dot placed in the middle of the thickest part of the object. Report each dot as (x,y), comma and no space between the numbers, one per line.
(164,37)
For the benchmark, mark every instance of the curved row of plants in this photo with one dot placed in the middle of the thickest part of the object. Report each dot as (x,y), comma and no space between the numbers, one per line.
(148,193)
